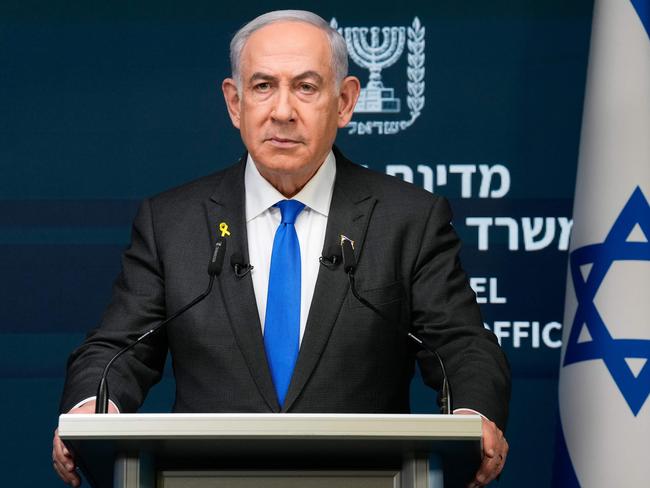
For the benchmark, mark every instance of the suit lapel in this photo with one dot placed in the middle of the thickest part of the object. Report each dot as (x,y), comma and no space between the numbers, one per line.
(227,205)
(350,211)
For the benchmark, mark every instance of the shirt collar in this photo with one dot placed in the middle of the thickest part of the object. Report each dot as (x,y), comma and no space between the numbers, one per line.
(316,194)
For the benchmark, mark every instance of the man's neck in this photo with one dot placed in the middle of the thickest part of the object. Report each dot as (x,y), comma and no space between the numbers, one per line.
(288,185)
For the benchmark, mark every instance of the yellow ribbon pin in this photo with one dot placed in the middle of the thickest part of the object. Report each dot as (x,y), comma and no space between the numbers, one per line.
(223,227)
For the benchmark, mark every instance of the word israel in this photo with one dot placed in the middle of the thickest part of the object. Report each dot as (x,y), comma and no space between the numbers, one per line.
(537,232)
(375,55)
(494,179)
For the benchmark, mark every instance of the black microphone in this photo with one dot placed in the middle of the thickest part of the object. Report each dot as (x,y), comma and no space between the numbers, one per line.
(349,261)
(216,263)
(239,266)
(214,269)
(332,257)
(350,267)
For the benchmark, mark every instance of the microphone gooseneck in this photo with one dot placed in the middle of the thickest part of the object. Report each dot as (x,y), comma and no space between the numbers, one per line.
(350,267)
(445,391)
(214,269)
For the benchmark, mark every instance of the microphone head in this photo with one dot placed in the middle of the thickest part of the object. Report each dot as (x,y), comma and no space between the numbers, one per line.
(349,261)
(216,263)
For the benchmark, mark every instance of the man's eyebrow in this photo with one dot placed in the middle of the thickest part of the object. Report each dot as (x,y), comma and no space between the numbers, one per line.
(257,76)
(309,74)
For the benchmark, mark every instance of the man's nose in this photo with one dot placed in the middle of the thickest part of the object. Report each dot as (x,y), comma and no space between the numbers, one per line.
(283,110)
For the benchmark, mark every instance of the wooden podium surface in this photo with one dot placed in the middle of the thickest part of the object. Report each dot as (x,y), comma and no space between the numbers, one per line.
(111,448)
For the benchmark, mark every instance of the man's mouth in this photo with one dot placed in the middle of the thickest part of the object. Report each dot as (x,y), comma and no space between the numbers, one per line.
(283,142)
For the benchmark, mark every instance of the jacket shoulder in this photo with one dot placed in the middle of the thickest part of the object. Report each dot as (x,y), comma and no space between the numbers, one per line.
(401,196)
(198,189)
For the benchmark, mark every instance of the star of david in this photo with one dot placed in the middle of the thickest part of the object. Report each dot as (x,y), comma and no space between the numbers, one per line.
(614,352)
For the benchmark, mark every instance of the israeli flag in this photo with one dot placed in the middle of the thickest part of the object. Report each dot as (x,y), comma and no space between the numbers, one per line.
(604,431)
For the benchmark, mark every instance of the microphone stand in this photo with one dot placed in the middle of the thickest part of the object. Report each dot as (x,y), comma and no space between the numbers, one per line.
(214,269)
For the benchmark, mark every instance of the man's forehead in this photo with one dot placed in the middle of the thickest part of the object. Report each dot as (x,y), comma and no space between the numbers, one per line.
(286,42)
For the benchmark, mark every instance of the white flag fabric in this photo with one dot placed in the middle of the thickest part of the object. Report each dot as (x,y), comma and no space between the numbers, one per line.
(604,431)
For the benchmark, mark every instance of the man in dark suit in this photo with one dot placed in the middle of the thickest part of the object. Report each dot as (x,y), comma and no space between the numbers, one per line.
(288,95)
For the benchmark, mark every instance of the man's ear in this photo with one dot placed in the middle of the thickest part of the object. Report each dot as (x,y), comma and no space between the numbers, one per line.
(233,101)
(349,93)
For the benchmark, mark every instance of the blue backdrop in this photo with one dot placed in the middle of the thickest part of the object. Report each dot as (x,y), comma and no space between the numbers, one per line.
(102,105)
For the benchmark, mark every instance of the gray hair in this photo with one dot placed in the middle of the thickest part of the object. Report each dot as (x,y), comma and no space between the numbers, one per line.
(337,43)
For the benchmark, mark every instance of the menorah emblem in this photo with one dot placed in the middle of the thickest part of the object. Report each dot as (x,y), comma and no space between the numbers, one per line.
(375,56)
(375,49)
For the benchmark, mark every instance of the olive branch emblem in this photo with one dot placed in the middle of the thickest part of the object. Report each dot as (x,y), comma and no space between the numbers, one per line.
(375,55)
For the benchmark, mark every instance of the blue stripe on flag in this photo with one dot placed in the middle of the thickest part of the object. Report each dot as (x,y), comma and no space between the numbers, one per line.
(642,8)
(564,476)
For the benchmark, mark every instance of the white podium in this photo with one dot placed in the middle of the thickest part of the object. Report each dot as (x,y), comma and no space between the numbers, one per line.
(273,450)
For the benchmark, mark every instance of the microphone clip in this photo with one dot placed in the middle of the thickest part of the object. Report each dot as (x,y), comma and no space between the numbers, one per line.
(331,257)
(240,268)
(329,262)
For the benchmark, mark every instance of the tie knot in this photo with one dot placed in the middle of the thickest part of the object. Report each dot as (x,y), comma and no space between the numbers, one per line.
(290,210)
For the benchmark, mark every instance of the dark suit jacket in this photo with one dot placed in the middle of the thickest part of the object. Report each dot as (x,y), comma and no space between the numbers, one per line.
(350,359)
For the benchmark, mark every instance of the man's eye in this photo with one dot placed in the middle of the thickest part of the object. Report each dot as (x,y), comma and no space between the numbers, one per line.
(262,87)
(307,88)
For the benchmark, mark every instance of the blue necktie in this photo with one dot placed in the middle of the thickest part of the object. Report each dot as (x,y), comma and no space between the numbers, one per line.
(282,322)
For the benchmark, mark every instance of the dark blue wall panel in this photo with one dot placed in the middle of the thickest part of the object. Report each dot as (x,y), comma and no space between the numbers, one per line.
(102,104)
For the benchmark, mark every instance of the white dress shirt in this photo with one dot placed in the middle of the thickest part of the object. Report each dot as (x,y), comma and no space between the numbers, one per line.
(263,219)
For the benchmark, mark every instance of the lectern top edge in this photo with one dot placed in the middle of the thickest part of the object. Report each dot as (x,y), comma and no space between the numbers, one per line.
(351,426)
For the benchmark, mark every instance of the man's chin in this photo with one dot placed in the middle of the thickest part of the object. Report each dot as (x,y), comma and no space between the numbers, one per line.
(284,158)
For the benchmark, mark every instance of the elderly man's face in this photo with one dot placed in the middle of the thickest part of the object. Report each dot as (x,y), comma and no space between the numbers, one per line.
(288,109)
